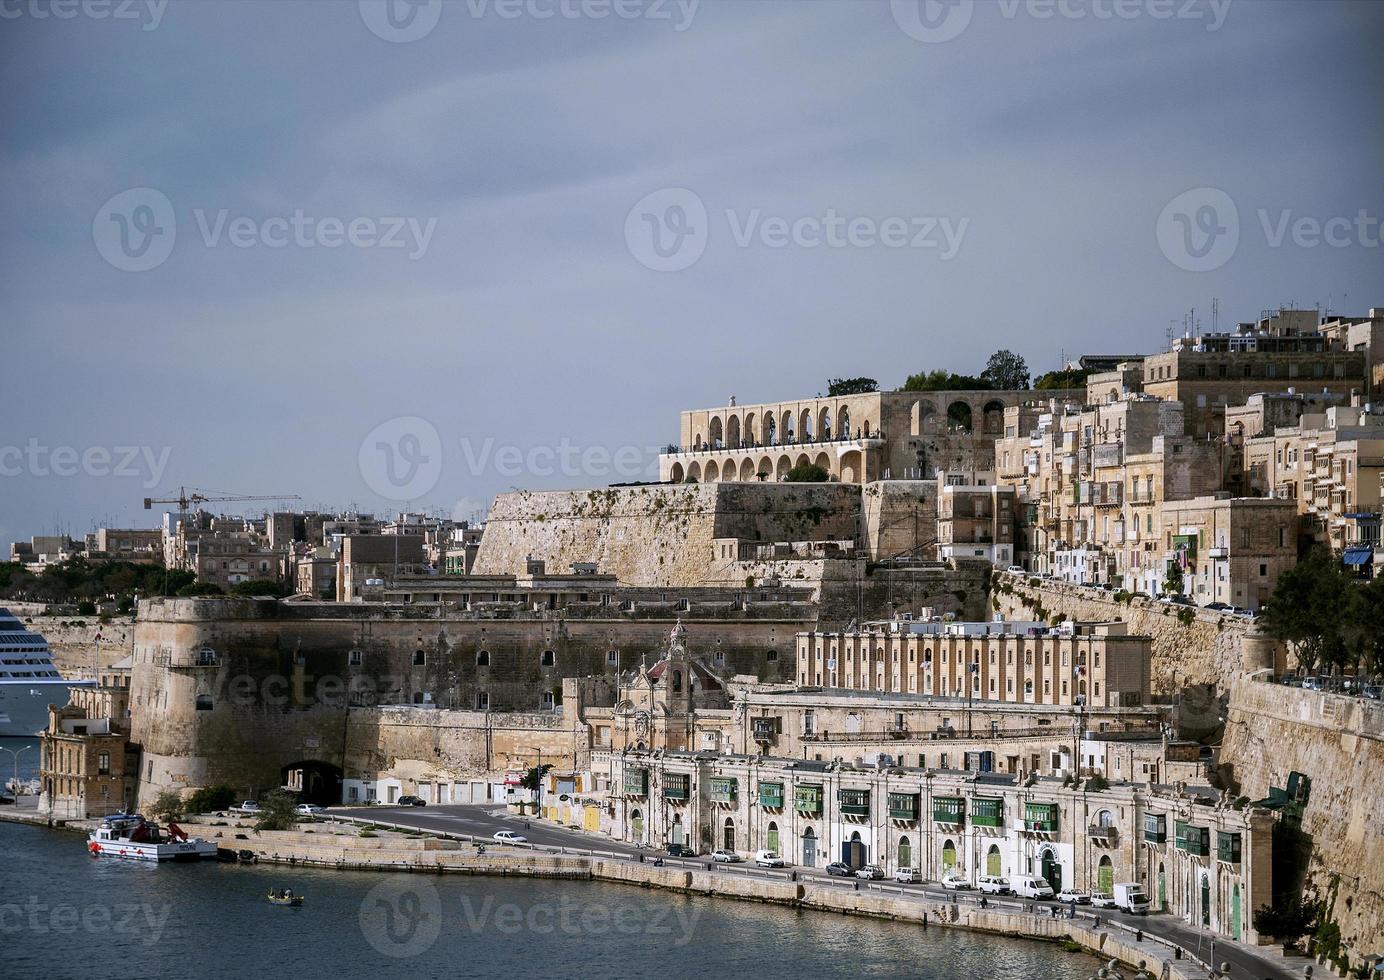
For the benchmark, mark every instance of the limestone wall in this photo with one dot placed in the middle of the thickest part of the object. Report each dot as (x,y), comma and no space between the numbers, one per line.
(76,650)
(1204,651)
(1338,742)
(658,535)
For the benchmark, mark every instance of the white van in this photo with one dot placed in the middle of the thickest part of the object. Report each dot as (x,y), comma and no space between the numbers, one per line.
(993,885)
(768,859)
(1028,886)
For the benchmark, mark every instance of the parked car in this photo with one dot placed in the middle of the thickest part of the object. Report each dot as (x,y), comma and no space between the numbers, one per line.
(1016,569)
(249,806)
(954,882)
(908,876)
(870,872)
(1220,606)
(1177,600)
(307,809)
(1103,900)
(1071,895)
(1312,684)
(726,857)
(681,851)
(510,837)
(412,801)
(768,859)
(1372,691)
(1031,886)
(839,869)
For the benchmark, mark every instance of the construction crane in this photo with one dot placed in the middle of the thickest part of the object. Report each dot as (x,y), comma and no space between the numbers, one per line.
(192,496)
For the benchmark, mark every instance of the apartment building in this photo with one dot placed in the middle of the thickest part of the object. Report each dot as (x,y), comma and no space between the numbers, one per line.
(1096,664)
(1209,373)
(1330,465)
(976,517)
(1229,549)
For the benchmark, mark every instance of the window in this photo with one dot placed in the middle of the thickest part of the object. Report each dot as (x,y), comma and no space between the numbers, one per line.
(612,658)
(354,658)
(482,701)
(547,658)
(1263,570)
(772,656)
(203,702)
(548,702)
(483,658)
(103,764)
(419,658)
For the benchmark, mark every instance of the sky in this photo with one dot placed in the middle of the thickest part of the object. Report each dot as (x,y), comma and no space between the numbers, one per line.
(391,254)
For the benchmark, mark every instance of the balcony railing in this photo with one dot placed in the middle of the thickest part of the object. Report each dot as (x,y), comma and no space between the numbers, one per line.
(873,440)
(1103,834)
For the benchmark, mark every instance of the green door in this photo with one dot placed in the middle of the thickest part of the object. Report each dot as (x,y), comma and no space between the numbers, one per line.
(1052,871)
(1235,913)
(948,855)
(1105,876)
(992,862)
(1205,900)
(905,853)
(773,837)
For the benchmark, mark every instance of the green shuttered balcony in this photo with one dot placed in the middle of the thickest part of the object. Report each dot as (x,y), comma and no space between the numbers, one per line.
(987,812)
(854,802)
(771,795)
(636,782)
(675,787)
(808,800)
(1193,840)
(948,809)
(1155,828)
(723,790)
(1228,847)
(1041,817)
(903,806)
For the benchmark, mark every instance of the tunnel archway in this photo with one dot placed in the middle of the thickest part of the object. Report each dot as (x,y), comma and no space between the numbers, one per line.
(313,781)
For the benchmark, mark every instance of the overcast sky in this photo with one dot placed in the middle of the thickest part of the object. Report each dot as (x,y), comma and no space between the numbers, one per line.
(257,242)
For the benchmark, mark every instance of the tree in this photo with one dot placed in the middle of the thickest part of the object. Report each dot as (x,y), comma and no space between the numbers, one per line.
(1313,607)
(534,777)
(808,473)
(1172,581)
(1066,378)
(1286,923)
(210,798)
(256,587)
(942,381)
(1005,371)
(167,806)
(276,811)
(200,588)
(851,386)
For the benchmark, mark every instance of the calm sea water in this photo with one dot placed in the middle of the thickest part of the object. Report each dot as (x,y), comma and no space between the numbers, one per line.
(66,915)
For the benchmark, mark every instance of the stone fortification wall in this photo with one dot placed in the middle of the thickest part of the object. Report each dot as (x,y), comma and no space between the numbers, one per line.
(1338,742)
(1190,646)
(658,535)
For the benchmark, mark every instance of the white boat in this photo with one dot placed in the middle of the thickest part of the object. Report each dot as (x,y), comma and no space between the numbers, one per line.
(28,680)
(130,836)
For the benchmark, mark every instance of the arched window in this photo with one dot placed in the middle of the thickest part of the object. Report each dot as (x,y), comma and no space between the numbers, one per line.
(826,425)
(959,416)
(844,423)
(728,834)
(905,853)
(637,823)
(677,681)
(547,659)
(948,855)
(419,658)
(773,836)
(482,658)
(1105,876)
(203,702)
(993,861)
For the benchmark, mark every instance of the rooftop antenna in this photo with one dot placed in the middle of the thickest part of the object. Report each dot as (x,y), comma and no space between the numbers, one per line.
(1215,314)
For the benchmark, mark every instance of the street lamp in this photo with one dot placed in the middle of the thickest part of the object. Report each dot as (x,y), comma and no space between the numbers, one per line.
(15,753)
(538,783)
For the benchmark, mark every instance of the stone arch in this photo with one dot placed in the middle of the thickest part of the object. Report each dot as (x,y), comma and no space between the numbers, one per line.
(765,473)
(747,470)
(852,467)
(770,430)
(482,658)
(694,471)
(865,429)
(948,854)
(824,424)
(715,435)
(805,425)
(824,461)
(783,466)
(697,441)
(729,472)
(843,422)
(802,460)
(992,418)
(787,428)
(959,416)
(748,435)
(712,472)
(733,432)
(728,834)
(677,474)
(314,781)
